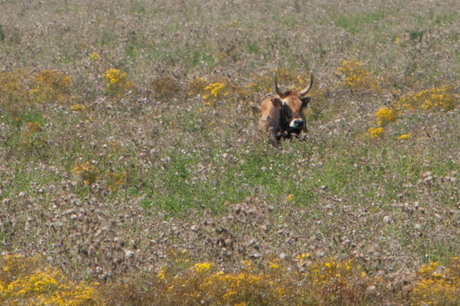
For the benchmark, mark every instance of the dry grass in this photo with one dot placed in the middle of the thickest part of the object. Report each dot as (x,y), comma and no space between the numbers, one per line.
(130,155)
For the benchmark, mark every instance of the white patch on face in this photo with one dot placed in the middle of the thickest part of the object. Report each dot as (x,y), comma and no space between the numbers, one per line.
(296,123)
(285,101)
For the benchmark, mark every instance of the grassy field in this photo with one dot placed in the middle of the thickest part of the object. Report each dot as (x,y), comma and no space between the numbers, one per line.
(132,170)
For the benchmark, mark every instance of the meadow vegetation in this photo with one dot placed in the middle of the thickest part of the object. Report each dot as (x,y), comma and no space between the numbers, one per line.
(132,171)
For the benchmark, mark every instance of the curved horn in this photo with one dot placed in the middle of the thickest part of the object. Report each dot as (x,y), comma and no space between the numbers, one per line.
(277,90)
(307,89)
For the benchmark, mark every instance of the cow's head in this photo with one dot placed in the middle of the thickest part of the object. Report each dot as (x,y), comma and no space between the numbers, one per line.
(293,103)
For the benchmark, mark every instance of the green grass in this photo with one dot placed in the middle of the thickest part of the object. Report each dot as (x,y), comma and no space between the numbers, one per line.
(275,175)
(137,8)
(357,23)
(2,34)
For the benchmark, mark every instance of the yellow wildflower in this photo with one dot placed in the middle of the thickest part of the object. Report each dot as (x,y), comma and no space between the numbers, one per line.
(202,267)
(273,265)
(353,75)
(94,56)
(384,115)
(78,107)
(115,76)
(405,136)
(375,132)
(161,274)
(34,126)
(303,256)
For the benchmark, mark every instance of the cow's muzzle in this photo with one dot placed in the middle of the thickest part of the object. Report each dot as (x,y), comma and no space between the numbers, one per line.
(296,124)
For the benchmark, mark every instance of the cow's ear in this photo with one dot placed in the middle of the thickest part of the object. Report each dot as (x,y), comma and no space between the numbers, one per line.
(305,101)
(276,102)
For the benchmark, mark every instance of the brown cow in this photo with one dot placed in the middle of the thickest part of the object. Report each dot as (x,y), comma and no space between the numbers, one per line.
(282,114)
